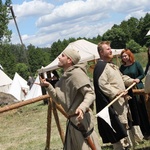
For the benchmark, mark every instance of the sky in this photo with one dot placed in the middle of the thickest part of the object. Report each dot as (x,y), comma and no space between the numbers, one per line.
(42,22)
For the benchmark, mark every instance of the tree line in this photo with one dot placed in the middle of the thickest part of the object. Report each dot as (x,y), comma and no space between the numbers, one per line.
(26,60)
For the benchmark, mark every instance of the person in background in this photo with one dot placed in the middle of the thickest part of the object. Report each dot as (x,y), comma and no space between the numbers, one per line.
(147,84)
(54,78)
(74,92)
(148,63)
(109,83)
(30,81)
(137,105)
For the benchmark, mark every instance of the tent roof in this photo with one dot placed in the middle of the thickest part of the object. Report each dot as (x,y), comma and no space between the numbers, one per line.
(17,86)
(87,50)
(4,79)
(35,91)
(148,33)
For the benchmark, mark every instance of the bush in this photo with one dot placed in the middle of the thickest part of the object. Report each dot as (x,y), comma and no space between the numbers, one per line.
(133,46)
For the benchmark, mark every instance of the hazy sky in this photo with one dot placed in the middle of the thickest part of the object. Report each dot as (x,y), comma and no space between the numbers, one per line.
(42,22)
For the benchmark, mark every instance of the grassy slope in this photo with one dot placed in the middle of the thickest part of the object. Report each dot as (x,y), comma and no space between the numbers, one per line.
(25,128)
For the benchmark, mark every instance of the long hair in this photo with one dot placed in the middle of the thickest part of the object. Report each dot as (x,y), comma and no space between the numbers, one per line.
(129,53)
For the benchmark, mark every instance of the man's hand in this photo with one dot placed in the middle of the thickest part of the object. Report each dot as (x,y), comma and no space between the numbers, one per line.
(136,80)
(80,114)
(43,83)
(124,93)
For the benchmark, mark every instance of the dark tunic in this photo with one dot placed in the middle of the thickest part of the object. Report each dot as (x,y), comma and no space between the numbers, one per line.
(137,103)
(106,132)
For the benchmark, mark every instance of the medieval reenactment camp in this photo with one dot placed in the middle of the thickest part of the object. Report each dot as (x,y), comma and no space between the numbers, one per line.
(74,75)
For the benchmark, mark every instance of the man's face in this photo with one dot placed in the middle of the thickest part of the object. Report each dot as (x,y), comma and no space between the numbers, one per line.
(106,53)
(64,61)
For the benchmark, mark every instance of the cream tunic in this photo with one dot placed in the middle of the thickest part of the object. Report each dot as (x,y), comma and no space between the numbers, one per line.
(74,91)
(111,82)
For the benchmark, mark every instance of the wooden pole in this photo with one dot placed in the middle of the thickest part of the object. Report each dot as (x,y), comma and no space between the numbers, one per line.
(22,103)
(121,94)
(30,101)
(114,100)
(138,91)
(49,120)
(61,132)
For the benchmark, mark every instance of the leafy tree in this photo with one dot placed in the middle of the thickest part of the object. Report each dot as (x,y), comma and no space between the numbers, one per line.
(19,51)
(7,59)
(147,41)
(95,40)
(5,33)
(71,40)
(37,58)
(22,70)
(98,39)
(129,27)
(57,48)
(133,46)
(144,27)
(117,37)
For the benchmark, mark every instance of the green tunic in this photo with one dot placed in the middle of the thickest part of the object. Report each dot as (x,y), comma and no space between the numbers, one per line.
(134,71)
(137,104)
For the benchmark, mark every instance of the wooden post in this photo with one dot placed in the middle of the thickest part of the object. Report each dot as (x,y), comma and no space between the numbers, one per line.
(138,91)
(22,103)
(49,120)
(114,100)
(51,106)
(30,101)
(61,132)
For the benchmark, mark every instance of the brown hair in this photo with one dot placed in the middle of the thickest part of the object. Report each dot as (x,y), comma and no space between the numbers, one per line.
(100,44)
(129,53)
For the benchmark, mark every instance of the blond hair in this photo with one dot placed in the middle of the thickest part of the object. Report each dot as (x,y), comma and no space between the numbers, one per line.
(100,44)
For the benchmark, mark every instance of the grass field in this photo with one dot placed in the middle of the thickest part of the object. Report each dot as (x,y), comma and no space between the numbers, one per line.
(25,128)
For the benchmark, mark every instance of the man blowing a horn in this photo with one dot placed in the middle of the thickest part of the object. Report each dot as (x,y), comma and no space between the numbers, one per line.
(75,94)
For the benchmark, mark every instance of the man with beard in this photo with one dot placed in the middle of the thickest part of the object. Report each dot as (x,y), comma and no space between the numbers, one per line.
(74,92)
(109,83)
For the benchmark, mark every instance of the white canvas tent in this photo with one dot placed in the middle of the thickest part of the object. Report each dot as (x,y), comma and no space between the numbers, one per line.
(5,82)
(19,87)
(148,33)
(35,91)
(87,50)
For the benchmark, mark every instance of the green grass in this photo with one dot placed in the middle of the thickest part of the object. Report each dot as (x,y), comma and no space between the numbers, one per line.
(26,129)
(142,58)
